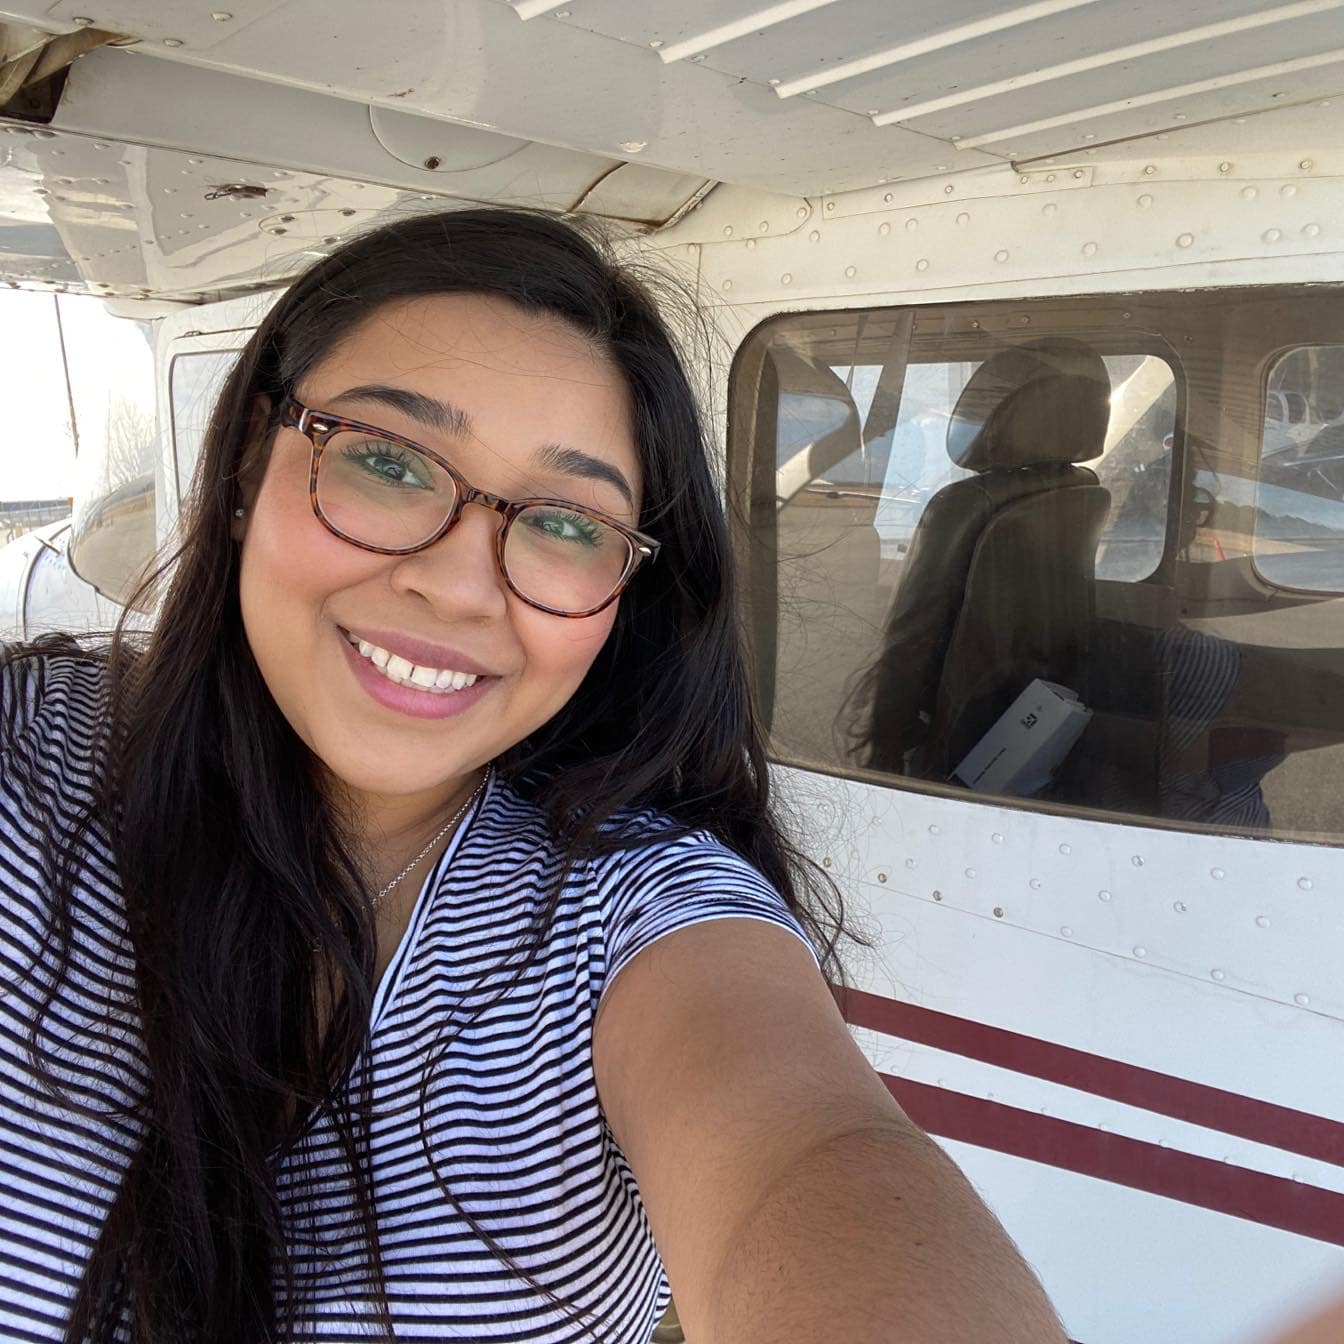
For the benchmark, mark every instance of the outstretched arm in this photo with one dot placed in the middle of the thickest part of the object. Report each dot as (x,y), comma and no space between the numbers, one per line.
(1325,1328)
(786,1189)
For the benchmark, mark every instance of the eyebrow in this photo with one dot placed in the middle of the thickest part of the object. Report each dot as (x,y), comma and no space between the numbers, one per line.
(572,462)
(448,419)
(439,415)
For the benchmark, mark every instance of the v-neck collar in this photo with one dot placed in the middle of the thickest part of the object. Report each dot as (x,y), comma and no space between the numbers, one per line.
(396,967)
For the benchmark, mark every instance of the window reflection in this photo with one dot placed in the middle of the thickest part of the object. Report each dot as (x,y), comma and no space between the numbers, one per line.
(1129,501)
(1298,510)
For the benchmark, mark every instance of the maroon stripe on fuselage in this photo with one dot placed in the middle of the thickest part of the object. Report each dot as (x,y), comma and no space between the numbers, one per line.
(1220,1187)
(1211,1107)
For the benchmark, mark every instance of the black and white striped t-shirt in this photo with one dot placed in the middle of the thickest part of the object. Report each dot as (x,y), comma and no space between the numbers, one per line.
(509,1115)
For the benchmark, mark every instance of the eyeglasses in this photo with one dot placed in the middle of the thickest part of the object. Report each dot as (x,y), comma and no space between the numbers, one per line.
(387,494)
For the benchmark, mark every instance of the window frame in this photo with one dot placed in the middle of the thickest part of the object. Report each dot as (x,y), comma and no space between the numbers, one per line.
(1157,314)
(1272,361)
(189,349)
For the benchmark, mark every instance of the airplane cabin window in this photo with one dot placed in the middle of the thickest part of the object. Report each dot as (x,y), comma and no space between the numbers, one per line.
(1299,514)
(114,529)
(1054,550)
(195,381)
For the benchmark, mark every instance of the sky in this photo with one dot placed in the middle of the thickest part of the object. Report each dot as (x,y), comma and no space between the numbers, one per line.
(109,358)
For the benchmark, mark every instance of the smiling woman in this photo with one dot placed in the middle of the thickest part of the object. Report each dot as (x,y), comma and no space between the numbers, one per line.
(454,604)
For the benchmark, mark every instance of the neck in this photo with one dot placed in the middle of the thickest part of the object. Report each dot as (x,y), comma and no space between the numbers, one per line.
(391,828)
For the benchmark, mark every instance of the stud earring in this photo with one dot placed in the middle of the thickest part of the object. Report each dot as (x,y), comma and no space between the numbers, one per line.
(240,512)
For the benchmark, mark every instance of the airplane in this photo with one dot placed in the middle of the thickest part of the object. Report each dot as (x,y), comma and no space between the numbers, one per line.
(1023,338)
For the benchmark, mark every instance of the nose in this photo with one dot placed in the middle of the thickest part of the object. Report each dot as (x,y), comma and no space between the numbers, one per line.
(459,574)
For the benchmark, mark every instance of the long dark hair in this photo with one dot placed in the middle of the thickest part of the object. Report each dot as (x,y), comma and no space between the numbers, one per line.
(234,865)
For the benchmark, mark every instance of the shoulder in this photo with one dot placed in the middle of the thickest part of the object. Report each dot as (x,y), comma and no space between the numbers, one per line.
(648,875)
(632,847)
(649,848)
(53,703)
(665,878)
(51,716)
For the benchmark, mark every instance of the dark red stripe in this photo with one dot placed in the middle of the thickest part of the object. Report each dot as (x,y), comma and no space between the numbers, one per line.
(1228,1112)
(1236,1191)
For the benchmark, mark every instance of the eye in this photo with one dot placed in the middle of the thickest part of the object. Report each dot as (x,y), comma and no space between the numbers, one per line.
(387,462)
(564,526)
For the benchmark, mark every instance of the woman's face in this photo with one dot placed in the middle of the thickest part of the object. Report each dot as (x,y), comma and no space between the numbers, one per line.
(521,405)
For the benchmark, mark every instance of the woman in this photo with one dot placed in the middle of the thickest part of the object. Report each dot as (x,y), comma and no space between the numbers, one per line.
(402,940)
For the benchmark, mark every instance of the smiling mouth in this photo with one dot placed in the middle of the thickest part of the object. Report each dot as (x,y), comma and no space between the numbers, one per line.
(437,680)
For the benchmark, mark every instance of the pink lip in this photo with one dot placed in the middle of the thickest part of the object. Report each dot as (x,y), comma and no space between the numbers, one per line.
(410,699)
(420,651)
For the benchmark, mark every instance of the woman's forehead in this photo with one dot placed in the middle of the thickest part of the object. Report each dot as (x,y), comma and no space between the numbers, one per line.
(465,331)
(500,373)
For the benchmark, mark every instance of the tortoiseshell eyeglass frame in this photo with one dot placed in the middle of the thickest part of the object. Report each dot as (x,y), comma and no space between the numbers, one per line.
(318,427)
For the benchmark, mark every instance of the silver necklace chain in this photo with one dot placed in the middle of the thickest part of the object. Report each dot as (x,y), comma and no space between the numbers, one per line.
(438,835)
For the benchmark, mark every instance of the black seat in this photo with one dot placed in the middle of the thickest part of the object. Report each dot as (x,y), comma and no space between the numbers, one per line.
(998,583)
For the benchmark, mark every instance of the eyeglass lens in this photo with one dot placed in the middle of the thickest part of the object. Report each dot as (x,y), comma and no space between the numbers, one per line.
(389,496)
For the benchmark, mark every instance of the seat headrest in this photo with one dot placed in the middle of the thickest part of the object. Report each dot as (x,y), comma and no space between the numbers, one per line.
(1032,404)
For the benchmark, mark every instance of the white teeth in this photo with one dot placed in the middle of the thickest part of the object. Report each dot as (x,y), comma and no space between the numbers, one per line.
(406,673)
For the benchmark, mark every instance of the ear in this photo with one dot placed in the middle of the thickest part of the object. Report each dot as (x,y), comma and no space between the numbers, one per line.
(252,466)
